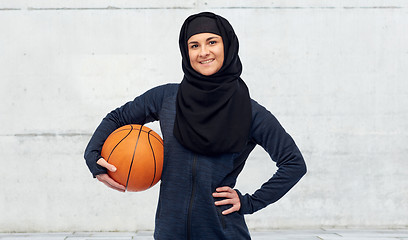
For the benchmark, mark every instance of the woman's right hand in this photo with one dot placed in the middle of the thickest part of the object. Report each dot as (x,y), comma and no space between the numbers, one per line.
(108,181)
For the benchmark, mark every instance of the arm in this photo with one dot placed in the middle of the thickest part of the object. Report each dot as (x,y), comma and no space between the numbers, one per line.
(141,110)
(267,132)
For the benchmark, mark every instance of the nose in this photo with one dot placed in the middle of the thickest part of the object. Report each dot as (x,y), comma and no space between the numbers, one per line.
(204,51)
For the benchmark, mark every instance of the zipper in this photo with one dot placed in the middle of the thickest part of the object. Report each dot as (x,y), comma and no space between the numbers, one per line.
(190,206)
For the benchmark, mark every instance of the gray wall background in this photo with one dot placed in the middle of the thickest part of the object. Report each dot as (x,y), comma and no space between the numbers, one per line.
(333,72)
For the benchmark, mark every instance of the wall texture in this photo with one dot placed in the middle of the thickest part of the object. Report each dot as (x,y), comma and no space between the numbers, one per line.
(333,72)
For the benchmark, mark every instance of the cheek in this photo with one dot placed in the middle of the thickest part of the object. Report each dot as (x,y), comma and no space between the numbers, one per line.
(191,57)
(221,56)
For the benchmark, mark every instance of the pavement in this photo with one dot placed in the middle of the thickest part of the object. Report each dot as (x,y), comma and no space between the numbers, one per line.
(316,234)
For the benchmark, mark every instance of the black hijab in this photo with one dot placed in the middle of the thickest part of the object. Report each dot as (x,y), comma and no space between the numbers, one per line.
(213,113)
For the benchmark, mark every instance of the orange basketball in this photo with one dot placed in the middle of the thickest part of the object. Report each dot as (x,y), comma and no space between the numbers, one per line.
(137,153)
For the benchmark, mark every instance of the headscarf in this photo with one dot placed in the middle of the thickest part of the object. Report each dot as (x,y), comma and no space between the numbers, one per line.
(213,113)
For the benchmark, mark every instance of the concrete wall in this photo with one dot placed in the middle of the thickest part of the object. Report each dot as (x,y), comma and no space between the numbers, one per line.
(333,72)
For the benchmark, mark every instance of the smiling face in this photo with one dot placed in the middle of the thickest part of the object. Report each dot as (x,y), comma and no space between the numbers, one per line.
(206,52)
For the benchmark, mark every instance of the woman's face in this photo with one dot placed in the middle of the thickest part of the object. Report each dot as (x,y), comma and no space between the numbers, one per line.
(206,52)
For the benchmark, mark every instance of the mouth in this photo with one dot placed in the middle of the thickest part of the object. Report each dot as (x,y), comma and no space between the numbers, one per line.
(207,61)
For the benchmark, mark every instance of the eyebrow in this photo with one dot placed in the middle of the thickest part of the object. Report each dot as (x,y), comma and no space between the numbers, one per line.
(208,39)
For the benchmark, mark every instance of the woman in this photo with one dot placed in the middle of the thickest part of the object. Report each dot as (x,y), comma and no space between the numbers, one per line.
(209,125)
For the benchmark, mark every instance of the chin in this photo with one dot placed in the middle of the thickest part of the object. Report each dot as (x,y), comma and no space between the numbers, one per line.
(207,72)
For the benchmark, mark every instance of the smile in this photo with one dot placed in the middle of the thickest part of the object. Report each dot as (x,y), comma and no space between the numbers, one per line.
(208,61)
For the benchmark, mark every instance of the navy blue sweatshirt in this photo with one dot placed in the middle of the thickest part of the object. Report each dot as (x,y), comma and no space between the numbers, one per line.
(186,207)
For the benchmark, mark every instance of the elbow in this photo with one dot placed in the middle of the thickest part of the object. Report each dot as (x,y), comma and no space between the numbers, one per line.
(296,165)
(301,165)
(303,169)
(300,168)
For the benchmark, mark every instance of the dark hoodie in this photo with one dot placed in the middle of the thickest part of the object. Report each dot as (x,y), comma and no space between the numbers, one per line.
(186,208)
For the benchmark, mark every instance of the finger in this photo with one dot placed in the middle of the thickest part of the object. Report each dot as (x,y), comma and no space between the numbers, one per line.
(108,181)
(230,210)
(102,162)
(223,194)
(224,189)
(115,188)
(106,165)
(115,184)
(224,202)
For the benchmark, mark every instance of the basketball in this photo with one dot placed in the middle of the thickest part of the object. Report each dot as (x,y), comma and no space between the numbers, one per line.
(137,153)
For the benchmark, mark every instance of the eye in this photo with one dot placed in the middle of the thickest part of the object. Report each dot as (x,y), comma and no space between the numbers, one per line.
(194,46)
(213,42)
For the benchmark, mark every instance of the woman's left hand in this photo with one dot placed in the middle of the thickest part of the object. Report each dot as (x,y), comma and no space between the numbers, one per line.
(231,196)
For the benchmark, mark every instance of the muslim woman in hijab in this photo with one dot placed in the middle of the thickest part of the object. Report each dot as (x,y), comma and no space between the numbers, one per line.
(209,125)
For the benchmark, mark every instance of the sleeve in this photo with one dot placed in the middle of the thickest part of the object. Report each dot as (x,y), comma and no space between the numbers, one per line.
(143,109)
(268,133)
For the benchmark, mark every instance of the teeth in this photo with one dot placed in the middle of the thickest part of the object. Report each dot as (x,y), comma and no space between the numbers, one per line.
(208,61)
